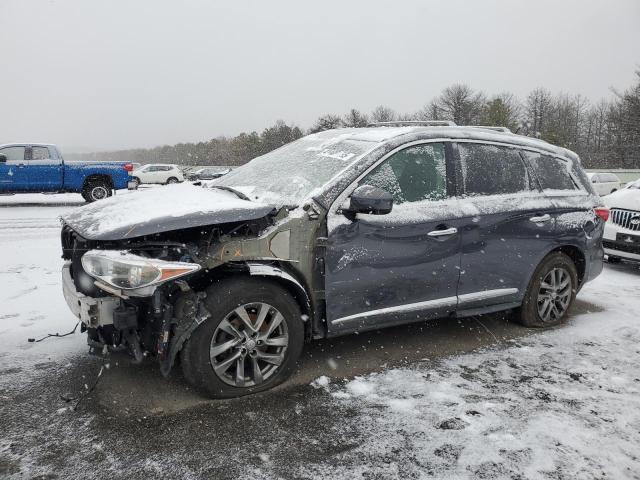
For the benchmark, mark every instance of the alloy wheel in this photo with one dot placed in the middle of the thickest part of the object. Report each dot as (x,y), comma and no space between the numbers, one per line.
(249,345)
(554,295)
(99,192)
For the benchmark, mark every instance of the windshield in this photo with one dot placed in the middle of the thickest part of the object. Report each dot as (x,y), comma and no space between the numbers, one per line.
(288,175)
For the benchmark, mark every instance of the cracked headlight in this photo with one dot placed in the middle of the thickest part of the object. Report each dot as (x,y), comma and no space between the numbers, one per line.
(127,271)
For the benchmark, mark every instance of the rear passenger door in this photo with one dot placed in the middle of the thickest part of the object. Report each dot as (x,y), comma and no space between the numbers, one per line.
(43,169)
(509,227)
(566,186)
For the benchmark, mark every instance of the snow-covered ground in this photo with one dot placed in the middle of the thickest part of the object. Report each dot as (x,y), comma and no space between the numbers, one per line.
(556,404)
(30,293)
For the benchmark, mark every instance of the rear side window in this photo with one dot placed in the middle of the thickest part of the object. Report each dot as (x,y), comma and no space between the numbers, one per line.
(492,170)
(552,173)
(40,153)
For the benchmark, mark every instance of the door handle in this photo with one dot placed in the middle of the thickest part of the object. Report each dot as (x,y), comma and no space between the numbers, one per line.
(442,233)
(541,219)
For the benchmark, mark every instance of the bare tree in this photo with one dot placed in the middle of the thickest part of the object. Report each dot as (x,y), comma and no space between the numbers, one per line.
(538,110)
(383,114)
(461,104)
(430,111)
(355,119)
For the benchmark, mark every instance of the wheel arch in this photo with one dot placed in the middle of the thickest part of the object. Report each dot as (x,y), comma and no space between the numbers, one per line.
(577,256)
(189,306)
(97,177)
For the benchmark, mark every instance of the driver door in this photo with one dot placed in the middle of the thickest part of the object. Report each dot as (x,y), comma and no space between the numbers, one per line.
(402,266)
(13,173)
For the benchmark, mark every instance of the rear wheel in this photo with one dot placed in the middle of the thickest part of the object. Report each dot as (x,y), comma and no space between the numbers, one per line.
(96,190)
(136,180)
(551,292)
(250,343)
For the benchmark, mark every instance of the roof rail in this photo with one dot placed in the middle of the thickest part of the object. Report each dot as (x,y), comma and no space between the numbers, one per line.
(415,123)
(497,129)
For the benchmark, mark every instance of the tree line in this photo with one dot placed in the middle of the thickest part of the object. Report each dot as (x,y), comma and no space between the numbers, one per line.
(605,134)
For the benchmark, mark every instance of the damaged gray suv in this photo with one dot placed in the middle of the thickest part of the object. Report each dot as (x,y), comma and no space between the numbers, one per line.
(341,231)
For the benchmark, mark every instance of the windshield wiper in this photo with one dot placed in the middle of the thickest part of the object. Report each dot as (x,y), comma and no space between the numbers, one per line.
(238,193)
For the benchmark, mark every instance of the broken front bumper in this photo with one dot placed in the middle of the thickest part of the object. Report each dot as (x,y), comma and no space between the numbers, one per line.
(93,312)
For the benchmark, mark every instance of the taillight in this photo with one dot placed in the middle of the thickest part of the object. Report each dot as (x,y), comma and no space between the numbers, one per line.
(602,212)
(128,167)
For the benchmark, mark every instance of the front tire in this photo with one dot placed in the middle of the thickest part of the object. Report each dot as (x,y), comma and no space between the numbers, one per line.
(96,190)
(250,343)
(171,180)
(551,292)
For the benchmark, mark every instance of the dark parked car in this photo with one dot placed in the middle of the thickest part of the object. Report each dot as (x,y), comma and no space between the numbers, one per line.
(40,168)
(208,173)
(338,232)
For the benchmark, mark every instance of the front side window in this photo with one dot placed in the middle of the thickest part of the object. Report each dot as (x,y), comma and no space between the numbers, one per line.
(13,154)
(413,174)
(492,170)
(552,173)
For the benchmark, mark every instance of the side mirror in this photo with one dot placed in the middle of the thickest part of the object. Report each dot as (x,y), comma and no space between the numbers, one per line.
(368,199)
(3,158)
(594,180)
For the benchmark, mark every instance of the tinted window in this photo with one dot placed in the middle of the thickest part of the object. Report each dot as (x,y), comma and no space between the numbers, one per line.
(551,172)
(413,174)
(13,154)
(492,170)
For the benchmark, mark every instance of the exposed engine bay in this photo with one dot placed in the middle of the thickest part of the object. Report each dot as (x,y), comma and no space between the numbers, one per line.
(138,302)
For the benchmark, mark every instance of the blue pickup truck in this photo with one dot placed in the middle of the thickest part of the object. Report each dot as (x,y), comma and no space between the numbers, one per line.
(40,168)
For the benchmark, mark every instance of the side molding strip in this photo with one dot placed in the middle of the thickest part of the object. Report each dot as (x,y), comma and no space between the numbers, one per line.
(439,302)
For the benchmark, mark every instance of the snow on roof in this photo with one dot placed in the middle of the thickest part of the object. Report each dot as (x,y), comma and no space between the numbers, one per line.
(381,134)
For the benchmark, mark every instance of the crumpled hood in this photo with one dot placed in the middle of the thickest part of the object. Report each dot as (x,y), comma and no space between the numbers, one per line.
(163,209)
(627,198)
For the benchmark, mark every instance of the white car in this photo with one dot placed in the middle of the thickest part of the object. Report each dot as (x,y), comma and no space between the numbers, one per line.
(157,173)
(622,230)
(604,183)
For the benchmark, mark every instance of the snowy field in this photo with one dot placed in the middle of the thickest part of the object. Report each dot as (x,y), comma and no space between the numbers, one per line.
(555,404)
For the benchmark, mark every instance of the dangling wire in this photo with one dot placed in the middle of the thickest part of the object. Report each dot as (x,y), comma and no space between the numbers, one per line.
(33,340)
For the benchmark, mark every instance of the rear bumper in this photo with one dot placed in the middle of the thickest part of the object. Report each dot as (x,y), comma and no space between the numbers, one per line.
(92,312)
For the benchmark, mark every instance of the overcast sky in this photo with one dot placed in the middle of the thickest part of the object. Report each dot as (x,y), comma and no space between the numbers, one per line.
(139,73)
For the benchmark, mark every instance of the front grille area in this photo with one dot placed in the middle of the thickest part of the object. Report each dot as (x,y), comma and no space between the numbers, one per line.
(625,218)
(621,247)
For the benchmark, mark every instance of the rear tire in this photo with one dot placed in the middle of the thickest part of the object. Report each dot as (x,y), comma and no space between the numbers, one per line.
(223,345)
(136,180)
(95,190)
(551,292)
